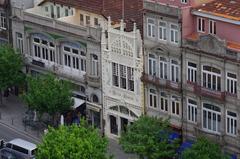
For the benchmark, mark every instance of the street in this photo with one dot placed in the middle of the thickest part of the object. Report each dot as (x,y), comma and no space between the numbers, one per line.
(8,134)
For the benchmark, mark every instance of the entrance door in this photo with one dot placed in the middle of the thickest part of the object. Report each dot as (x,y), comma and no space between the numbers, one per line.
(124,123)
(113,125)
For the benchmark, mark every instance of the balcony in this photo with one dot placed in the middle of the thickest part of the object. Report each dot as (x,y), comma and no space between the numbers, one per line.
(209,93)
(161,82)
(93,80)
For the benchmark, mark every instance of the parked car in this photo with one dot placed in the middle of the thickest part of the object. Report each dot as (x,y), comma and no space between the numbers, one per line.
(22,146)
(7,153)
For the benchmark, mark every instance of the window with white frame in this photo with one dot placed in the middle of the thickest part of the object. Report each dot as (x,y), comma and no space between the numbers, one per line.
(19,41)
(66,11)
(212,27)
(115,75)
(162,30)
(192,72)
(151,27)
(211,78)
(3,21)
(123,76)
(231,123)
(43,49)
(94,65)
(201,24)
(163,70)
(192,110)
(88,20)
(211,117)
(130,77)
(175,71)
(231,83)
(152,65)
(175,103)
(153,98)
(174,37)
(163,102)
(58,12)
(74,58)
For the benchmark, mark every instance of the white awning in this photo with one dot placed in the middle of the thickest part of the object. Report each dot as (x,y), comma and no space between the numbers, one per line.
(77,102)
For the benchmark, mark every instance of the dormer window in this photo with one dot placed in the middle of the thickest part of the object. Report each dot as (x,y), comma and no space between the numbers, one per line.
(212,27)
(201,25)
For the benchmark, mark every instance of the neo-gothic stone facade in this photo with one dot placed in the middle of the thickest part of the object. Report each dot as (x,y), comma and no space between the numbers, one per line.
(122,64)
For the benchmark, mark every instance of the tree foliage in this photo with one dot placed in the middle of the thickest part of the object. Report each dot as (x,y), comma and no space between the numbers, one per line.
(204,149)
(72,142)
(47,94)
(10,67)
(149,137)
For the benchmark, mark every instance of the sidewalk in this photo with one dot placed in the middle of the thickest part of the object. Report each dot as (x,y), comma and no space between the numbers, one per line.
(12,111)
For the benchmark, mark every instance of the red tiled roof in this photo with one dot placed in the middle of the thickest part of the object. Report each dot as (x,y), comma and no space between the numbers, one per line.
(224,8)
(113,8)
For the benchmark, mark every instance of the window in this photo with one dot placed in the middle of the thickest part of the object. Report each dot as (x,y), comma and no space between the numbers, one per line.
(66,12)
(163,68)
(212,27)
(162,31)
(96,22)
(152,98)
(126,76)
(150,28)
(231,85)
(58,12)
(175,105)
(163,102)
(192,72)
(211,78)
(184,1)
(81,19)
(211,118)
(43,49)
(52,11)
(115,74)
(87,20)
(123,76)
(175,71)
(3,22)
(192,110)
(19,41)
(95,98)
(174,33)
(73,58)
(94,68)
(201,24)
(130,78)
(152,65)
(231,123)
(46,8)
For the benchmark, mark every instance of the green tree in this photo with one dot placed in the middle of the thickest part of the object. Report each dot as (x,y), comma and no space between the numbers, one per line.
(204,149)
(47,94)
(10,68)
(72,142)
(149,137)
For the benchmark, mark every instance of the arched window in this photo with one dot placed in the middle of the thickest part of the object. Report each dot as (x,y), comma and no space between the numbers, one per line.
(43,47)
(95,98)
(211,118)
(74,56)
(211,78)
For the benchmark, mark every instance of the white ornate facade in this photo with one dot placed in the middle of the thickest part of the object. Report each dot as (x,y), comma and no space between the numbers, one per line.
(122,66)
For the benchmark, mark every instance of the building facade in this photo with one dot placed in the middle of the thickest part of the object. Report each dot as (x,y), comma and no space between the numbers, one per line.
(122,66)
(191,67)
(5,24)
(64,40)
(211,74)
